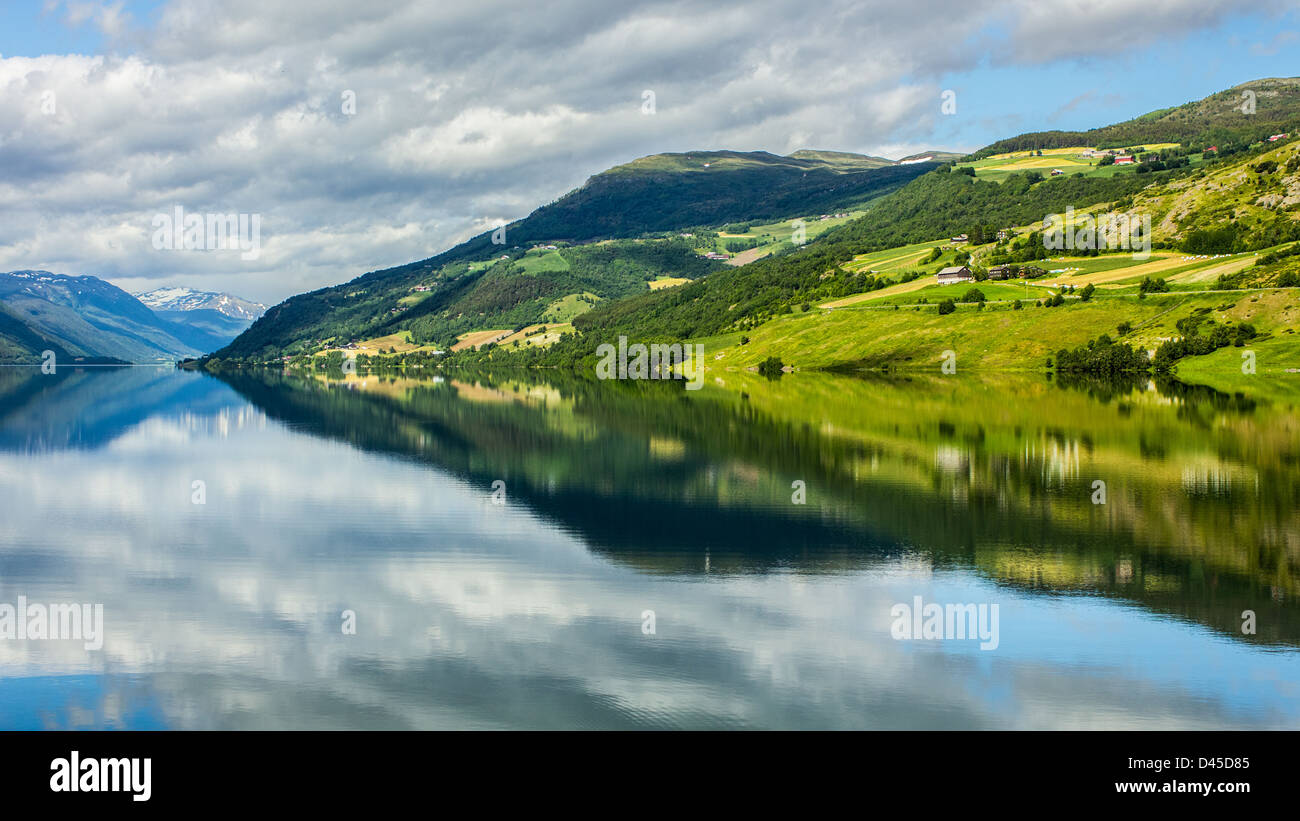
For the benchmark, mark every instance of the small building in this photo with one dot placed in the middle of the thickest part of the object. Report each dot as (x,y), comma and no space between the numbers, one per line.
(960,238)
(1000,272)
(1056,172)
(1277,137)
(1124,159)
(955,273)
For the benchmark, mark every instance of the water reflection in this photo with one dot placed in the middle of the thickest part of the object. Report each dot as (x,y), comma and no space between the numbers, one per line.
(373,494)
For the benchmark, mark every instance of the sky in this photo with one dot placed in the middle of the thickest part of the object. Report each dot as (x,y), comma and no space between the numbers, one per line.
(365,135)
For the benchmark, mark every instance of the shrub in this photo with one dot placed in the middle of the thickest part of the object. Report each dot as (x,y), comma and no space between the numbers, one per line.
(1153,285)
(947,307)
(771,367)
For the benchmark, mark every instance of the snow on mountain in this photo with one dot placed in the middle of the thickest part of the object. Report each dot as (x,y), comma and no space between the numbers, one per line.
(188,299)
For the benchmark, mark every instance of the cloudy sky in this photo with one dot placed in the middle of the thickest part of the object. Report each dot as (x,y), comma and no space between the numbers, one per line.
(365,135)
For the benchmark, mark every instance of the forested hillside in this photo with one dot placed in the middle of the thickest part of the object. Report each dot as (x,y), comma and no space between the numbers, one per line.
(1239,116)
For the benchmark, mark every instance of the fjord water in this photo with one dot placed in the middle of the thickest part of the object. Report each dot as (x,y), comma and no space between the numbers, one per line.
(375,494)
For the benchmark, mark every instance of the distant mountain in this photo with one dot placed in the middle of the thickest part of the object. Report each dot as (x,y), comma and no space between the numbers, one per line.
(188,299)
(20,344)
(841,159)
(206,320)
(930,156)
(83,316)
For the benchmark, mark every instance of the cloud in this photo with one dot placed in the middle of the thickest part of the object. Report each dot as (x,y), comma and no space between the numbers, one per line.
(464,113)
(1282,38)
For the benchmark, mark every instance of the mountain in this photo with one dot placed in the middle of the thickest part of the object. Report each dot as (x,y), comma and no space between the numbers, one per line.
(481,285)
(1240,115)
(907,202)
(841,159)
(847,161)
(84,316)
(206,320)
(1243,201)
(177,300)
(20,344)
(665,192)
(436,303)
(930,156)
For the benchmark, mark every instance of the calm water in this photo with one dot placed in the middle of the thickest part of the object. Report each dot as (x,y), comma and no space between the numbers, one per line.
(375,495)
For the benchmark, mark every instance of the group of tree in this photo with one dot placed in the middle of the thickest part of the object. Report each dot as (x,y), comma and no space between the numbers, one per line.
(1198,341)
(1103,357)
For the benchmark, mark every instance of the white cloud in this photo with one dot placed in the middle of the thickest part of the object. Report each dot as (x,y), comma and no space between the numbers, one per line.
(465,113)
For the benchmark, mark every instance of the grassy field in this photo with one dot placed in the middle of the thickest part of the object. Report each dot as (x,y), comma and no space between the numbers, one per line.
(775,235)
(909,293)
(1223,370)
(996,338)
(667,282)
(414,299)
(1067,160)
(538,261)
(752,255)
(401,342)
(905,258)
(567,307)
(477,339)
(1111,271)
(532,336)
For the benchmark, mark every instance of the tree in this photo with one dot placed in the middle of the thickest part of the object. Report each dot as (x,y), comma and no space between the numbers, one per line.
(973,295)
(771,367)
(1087,292)
(1153,285)
(946,307)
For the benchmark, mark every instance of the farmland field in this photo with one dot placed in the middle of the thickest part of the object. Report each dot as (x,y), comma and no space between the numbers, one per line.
(475,339)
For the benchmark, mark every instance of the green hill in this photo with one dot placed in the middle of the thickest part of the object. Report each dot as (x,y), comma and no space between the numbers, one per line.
(482,285)
(1223,119)
(1226,254)
(666,192)
(1244,198)
(437,303)
(841,159)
